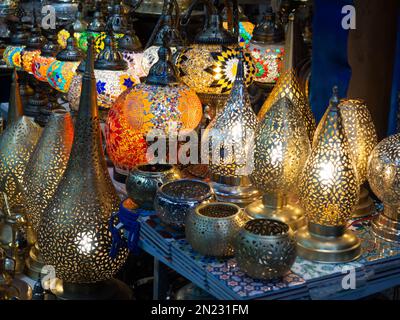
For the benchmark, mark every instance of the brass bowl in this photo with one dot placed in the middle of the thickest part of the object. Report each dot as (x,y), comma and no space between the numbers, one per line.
(174,200)
(218,223)
(144,180)
(265,249)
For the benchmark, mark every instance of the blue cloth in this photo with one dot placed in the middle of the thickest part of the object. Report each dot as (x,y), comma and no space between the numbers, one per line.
(329,54)
(126,220)
(393,126)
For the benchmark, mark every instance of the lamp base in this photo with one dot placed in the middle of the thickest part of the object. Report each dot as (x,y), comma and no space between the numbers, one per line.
(327,244)
(239,195)
(386,228)
(290,214)
(34,263)
(365,206)
(112,289)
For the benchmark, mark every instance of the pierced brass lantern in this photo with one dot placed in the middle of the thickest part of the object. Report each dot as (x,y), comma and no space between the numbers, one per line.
(384,179)
(281,150)
(73,231)
(289,86)
(231,139)
(328,193)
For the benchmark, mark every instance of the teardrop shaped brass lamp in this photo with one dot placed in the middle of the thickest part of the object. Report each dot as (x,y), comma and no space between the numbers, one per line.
(281,150)
(231,139)
(43,174)
(362,138)
(289,86)
(73,230)
(328,193)
(16,146)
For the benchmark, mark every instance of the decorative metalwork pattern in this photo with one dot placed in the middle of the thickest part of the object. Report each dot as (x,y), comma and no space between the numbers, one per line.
(281,148)
(211,69)
(144,180)
(329,186)
(384,173)
(265,249)
(360,132)
(60,74)
(27,58)
(73,232)
(142,109)
(288,86)
(12,56)
(40,67)
(216,223)
(175,199)
(47,165)
(16,147)
(109,84)
(231,135)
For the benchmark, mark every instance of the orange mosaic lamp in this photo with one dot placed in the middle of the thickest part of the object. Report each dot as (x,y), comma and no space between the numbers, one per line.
(33,48)
(42,62)
(161,104)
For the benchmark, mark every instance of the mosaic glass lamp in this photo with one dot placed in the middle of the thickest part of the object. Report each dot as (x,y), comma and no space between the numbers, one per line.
(383,177)
(267,48)
(329,191)
(47,56)
(161,104)
(111,75)
(61,72)
(168,23)
(78,27)
(132,54)
(209,65)
(18,41)
(95,29)
(230,137)
(281,150)
(74,234)
(289,86)
(246,27)
(33,47)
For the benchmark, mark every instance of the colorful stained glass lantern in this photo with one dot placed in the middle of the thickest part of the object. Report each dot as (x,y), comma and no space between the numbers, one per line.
(42,62)
(161,104)
(18,41)
(79,26)
(33,47)
(267,49)
(61,72)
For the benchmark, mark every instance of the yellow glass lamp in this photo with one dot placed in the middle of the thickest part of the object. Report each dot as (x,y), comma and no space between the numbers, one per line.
(161,103)
(289,86)
(111,75)
(78,27)
(267,48)
(329,191)
(281,150)
(383,177)
(61,72)
(209,65)
(230,137)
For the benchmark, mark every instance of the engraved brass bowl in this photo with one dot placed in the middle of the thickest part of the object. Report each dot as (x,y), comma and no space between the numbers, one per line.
(214,223)
(175,199)
(144,180)
(265,249)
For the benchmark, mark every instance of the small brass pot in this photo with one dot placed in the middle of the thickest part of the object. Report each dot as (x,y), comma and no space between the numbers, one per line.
(265,249)
(175,199)
(216,223)
(144,180)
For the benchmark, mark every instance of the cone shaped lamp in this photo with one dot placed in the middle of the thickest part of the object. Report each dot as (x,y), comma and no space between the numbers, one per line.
(73,230)
(231,140)
(289,86)
(328,193)
(383,177)
(281,150)
(16,146)
(43,174)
